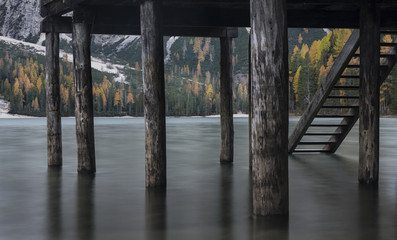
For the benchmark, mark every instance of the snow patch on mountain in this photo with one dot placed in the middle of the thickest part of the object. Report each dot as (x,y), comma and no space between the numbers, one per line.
(327,30)
(169,44)
(96,63)
(126,42)
(20,19)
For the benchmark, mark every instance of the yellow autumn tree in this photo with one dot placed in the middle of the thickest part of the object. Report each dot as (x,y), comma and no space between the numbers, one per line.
(39,84)
(322,74)
(313,51)
(130,98)
(195,87)
(209,93)
(117,99)
(304,50)
(35,105)
(295,82)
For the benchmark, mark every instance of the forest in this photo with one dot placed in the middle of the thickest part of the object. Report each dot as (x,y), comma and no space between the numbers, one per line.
(191,75)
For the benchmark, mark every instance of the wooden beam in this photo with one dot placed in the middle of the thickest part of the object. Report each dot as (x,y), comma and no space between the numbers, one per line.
(64,25)
(301,13)
(53,107)
(269,59)
(154,93)
(57,7)
(226,93)
(369,93)
(83,91)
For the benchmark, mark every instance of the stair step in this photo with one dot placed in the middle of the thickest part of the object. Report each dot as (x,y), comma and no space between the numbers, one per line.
(315,143)
(328,125)
(388,31)
(387,55)
(322,134)
(346,87)
(382,55)
(388,44)
(344,97)
(335,116)
(350,76)
(353,66)
(339,107)
(311,151)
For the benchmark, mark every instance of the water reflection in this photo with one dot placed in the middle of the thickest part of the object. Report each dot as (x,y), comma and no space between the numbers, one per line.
(204,200)
(274,228)
(156,214)
(368,202)
(226,200)
(54,211)
(85,206)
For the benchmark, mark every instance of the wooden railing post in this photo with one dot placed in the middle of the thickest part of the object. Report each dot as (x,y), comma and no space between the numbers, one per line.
(83,91)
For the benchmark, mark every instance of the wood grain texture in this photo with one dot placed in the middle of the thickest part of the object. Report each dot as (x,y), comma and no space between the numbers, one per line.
(53,109)
(83,92)
(226,93)
(154,93)
(369,93)
(269,59)
(249,104)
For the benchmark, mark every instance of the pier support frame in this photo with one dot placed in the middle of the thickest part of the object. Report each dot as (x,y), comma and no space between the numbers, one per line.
(82,22)
(269,63)
(226,93)
(54,127)
(154,93)
(369,93)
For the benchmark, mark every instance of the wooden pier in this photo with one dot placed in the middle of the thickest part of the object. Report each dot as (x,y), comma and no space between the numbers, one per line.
(268,100)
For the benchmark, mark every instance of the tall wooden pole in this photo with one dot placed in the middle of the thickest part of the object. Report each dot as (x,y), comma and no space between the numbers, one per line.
(269,59)
(54,127)
(83,91)
(369,92)
(154,93)
(226,92)
(249,104)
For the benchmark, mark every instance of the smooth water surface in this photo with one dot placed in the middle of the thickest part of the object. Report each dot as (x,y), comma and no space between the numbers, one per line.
(203,200)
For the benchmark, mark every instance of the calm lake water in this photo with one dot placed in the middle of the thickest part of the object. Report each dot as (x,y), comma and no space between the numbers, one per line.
(203,200)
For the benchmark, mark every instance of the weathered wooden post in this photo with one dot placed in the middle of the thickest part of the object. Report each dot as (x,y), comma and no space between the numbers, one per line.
(249,104)
(54,127)
(154,92)
(83,91)
(369,93)
(226,93)
(269,63)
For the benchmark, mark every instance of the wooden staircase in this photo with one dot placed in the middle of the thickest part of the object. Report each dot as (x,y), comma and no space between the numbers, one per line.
(334,108)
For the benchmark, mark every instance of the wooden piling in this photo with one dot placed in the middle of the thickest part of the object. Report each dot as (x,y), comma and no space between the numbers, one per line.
(226,93)
(269,59)
(249,104)
(154,93)
(369,93)
(83,91)
(53,109)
